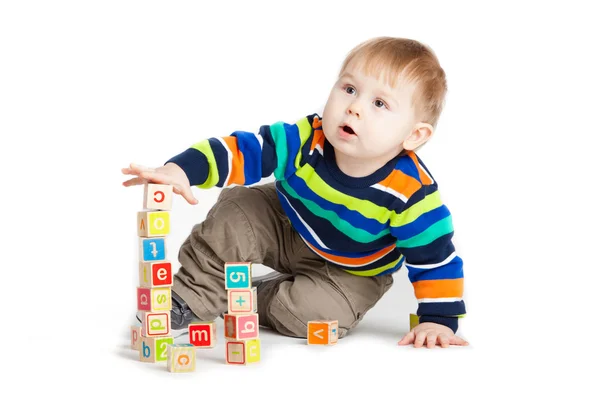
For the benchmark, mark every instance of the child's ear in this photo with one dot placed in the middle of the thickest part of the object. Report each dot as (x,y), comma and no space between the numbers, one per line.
(420,134)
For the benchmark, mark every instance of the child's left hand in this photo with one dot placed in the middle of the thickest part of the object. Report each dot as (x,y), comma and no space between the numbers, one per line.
(433,334)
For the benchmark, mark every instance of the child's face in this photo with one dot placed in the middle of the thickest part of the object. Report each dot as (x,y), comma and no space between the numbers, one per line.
(380,117)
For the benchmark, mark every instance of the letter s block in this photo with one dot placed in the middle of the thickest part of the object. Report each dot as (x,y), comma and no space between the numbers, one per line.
(155,349)
(158,197)
(241,327)
(238,275)
(153,223)
(181,358)
(202,334)
(242,352)
(322,332)
(156,274)
(154,299)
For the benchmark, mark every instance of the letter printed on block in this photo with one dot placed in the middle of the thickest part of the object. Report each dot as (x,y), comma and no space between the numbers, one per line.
(181,358)
(158,196)
(242,352)
(202,334)
(241,326)
(154,299)
(322,332)
(152,249)
(155,349)
(156,323)
(153,223)
(156,274)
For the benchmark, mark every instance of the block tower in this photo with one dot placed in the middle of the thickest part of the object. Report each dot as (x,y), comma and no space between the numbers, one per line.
(155,275)
(242,345)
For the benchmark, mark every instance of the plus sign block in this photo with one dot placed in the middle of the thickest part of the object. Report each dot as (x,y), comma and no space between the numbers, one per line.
(242,352)
(156,323)
(154,299)
(155,349)
(152,249)
(156,274)
(322,332)
(158,196)
(153,223)
(203,334)
(181,358)
(238,275)
(241,301)
(241,327)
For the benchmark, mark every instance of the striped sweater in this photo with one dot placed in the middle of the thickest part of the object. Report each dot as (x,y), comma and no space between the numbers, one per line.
(367,226)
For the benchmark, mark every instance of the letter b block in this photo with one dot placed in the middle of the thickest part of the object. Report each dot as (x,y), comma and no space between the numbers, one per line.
(154,349)
(239,327)
(181,358)
(203,334)
(322,332)
(157,196)
(238,275)
(153,223)
(242,352)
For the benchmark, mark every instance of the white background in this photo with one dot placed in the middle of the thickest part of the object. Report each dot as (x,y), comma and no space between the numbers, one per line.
(88,87)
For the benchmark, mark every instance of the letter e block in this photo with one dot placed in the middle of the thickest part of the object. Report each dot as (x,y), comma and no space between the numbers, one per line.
(154,299)
(202,334)
(238,275)
(157,196)
(181,358)
(156,274)
(241,327)
(156,323)
(242,352)
(136,335)
(322,332)
(154,349)
(153,223)
(152,249)
(241,301)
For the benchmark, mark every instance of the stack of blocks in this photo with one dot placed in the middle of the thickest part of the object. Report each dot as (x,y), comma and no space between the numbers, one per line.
(242,345)
(153,338)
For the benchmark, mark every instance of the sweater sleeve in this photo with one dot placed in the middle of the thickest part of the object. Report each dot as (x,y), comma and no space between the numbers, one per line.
(244,158)
(424,232)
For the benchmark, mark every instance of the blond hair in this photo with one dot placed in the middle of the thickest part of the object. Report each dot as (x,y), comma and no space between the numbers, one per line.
(407,59)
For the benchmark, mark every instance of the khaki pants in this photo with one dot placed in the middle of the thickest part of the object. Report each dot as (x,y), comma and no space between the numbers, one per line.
(248,224)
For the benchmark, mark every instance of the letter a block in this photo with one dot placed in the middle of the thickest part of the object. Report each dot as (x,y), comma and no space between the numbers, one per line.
(154,349)
(203,334)
(241,327)
(136,336)
(241,301)
(157,196)
(242,352)
(238,275)
(181,358)
(154,299)
(153,223)
(152,249)
(322,332)
(156,274)
(156,323)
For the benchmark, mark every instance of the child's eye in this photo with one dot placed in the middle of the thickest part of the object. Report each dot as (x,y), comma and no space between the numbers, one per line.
(379,103)
(350,90)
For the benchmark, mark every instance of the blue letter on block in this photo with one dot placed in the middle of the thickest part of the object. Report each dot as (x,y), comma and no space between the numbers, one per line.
(153,249)
(238,276)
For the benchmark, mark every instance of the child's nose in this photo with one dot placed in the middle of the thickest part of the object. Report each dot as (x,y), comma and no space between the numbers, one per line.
(354,108)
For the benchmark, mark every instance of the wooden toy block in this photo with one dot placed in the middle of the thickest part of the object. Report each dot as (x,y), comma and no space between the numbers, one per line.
(238,275)
(181,358)
(156,274)
(136,334)
(153,223)
(154,299)
(156,323)
(242,352)
(241,326)
(152,249)
(413,321)
(155,349)
(322,332)
(158,197)
(241,301)
(203,334)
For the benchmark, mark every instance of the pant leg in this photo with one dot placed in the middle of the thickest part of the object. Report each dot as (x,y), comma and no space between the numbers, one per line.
(246,224)
(318,290)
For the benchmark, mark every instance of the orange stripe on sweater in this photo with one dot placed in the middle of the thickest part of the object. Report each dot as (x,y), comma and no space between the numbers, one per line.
(401,183)
(439,288)
(353,261)
(236,175)
(318,138)
(422,175)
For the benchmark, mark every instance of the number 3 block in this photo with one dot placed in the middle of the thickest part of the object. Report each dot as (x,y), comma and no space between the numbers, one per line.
(155,349)
(158,197)
(153,223)
(322,332)
(238,275)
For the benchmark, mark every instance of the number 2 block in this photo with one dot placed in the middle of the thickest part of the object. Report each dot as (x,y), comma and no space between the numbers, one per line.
(153,223)
(158,197)
(155,349)
(322,332)
(242,352)
(238,275)
(240,327)
(152,249)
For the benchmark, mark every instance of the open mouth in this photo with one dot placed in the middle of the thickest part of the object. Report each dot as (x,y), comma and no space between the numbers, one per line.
(348,129)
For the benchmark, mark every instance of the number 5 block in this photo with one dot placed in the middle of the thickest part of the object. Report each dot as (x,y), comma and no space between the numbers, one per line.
(238,275)
(155,349)
(158,197)
(153,223)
